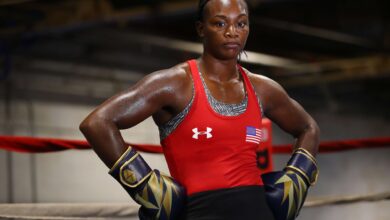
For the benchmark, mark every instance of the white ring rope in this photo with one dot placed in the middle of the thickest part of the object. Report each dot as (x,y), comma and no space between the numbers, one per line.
(82,211)
(347,199)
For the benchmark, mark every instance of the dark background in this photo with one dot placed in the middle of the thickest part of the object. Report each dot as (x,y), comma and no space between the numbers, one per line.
(335,54)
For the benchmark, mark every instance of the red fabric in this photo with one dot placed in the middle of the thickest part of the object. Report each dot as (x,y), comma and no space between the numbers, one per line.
(44,145)
(264,150)
(342,145)
(209,151)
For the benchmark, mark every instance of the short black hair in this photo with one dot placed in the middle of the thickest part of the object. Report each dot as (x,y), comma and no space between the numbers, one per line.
(201,6)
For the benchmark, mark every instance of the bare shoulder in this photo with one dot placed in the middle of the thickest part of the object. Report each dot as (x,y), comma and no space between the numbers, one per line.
(263,84)
(269,91)
(169,89)
(175,76)
(159,88)
(164,85)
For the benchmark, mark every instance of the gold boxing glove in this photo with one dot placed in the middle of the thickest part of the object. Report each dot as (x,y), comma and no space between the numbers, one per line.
(286,190)
(159,195)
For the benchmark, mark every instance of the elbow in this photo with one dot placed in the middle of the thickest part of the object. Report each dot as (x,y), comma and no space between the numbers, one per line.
(85,125)
(91,123)
(316,129)
(314,132)
(310,128)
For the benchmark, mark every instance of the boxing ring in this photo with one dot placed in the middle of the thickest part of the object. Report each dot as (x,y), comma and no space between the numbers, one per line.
(121,210)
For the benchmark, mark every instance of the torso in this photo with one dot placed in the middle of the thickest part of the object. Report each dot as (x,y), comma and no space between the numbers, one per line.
(233,92)
(213,148)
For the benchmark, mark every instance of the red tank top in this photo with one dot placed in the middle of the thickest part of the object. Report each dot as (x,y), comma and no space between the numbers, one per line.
(210,151)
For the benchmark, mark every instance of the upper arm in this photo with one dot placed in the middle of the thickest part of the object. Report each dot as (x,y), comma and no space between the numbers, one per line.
(280,107)
(144,99)
(152,94)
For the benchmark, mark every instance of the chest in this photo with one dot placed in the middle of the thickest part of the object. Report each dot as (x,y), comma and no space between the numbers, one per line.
(228,92)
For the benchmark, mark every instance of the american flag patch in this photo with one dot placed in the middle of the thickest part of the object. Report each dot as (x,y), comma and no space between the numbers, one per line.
(253,135)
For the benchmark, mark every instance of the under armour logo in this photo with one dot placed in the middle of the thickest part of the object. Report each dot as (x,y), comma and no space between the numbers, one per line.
(197,133)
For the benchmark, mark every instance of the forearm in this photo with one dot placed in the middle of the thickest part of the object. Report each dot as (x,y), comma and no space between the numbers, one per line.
(160,197)
(104,137)
(309,138)
(294,180)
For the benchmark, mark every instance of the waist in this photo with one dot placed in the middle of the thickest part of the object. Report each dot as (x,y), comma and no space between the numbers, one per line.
(244,202)
(194,186)
(211,168)
(211,175)
(205,181)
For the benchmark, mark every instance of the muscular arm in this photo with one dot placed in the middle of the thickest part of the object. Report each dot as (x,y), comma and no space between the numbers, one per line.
(150,96)
(287,113)
(286,190)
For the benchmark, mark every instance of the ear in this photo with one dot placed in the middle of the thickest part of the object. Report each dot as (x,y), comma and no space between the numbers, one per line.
(200,28)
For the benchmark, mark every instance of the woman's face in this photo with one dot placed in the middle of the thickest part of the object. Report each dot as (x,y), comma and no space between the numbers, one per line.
(225,28)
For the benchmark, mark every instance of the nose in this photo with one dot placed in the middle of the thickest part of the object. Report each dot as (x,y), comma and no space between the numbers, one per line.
(231,32)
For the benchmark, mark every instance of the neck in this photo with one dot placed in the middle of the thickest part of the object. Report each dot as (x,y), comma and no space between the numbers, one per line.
(218,70)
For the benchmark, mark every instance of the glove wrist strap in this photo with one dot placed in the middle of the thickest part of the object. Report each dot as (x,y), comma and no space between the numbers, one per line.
(303,163)
(131,169)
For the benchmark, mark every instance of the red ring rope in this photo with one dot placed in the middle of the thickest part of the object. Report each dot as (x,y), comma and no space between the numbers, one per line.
(44,145)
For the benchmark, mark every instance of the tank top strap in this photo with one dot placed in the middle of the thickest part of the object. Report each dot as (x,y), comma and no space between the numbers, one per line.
(247,83)
(198,87)
(252,97)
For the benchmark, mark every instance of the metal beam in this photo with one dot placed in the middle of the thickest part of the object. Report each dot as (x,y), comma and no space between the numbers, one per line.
(314,32)
(76,71)
(255,58)
(13,2)
(69,15)
(341,70)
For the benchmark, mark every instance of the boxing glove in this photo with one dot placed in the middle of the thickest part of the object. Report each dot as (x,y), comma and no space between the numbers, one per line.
(286,190)
(160,196)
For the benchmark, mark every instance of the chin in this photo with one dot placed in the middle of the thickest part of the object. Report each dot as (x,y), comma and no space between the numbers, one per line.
(227,56)
(230,57)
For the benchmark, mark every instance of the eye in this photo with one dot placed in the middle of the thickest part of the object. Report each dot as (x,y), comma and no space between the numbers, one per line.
(220,24)
(242,24)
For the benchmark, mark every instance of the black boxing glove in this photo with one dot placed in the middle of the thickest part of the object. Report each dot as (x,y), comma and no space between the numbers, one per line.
(286,190)
(160,197)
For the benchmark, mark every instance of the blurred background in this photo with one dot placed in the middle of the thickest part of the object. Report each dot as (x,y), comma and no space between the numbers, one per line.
(60,59)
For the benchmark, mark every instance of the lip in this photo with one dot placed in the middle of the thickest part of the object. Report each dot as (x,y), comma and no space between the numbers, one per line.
(231,45)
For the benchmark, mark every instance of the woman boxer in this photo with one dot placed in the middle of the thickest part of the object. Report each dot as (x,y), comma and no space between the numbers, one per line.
(208,112)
